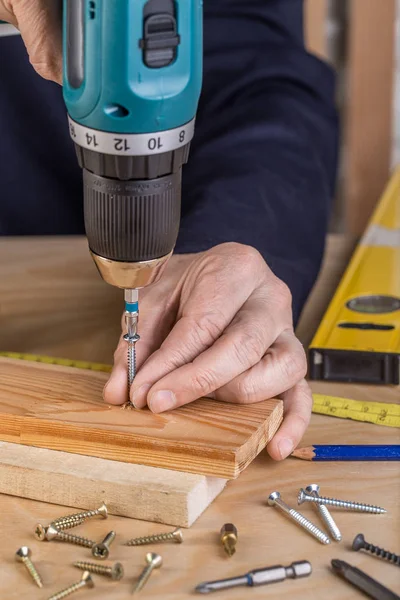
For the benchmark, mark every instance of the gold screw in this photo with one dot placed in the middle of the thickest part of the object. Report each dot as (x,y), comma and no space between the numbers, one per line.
(51,533)
(102,550)
(86,580)
(67,524)
(115,572)
(172,536)
(229,537)
(154,561)
(23,555)
(86,514)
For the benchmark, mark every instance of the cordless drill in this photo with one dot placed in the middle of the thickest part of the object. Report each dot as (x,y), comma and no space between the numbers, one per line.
(132,80)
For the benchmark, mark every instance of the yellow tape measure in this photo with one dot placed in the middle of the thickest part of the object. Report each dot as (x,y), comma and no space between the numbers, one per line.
(369,412)
(64,362)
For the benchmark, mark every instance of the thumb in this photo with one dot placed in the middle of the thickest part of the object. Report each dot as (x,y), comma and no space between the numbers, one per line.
(39,22)
(297,413)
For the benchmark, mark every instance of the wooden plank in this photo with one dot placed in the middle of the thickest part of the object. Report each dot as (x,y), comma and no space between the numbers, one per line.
(61,408)
(315,16)
(135,491)
(368,107)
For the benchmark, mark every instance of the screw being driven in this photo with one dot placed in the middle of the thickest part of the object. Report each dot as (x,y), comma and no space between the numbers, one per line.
(131,340)
(154,561)
(346,504)
(102,550)
(115,572)
(275,500)
(86,581)
(51,533)
(23,555)
(172,536)
(131,337)
(81,516)
(359,543)
(326,516)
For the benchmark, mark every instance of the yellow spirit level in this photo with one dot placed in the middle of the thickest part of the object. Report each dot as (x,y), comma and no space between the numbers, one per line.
(358,339)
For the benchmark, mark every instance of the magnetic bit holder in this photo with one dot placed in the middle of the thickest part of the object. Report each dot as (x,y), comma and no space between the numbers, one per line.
(258,577)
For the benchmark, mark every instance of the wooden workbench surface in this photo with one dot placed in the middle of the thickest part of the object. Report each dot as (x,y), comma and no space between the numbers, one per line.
(53,302)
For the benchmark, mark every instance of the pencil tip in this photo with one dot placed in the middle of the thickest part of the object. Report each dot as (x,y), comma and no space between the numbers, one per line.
(304,453)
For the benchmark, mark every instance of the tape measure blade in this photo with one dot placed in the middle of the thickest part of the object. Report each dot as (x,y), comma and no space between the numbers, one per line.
(378,413)
(63,362)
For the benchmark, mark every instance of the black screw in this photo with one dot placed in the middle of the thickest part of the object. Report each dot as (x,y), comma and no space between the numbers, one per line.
(359,543)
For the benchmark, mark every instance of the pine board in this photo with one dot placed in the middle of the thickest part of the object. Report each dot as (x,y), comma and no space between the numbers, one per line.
(83,482)
(61,408)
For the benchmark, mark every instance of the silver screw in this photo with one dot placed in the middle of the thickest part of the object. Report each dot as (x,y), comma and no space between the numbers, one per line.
(115,572)
(51,533)
(346,504)
(154,561)
(86,581)
(275,500)
(131,340)
(102,549)
(173,536)
(23,555)
(82,516)
(329,521)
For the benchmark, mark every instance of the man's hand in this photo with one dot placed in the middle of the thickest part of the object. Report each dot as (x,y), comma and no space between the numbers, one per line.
(39,22)
(218,324)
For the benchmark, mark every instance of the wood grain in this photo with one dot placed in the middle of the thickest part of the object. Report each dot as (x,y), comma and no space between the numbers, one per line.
(135,491)
(265,536)
(368,111)
(61,408)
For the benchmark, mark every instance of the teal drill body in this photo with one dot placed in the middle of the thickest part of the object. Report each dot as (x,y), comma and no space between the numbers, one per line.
(107,84)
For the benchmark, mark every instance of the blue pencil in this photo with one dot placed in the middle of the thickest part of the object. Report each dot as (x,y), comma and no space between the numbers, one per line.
(353,452)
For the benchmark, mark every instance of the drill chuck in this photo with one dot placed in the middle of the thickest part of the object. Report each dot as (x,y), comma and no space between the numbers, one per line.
(132,213)
(132,221)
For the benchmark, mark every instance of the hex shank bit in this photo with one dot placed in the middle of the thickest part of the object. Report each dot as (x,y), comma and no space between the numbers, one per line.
(258,577)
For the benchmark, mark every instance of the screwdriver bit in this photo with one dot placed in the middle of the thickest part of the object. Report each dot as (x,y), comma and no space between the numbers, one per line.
(258,577)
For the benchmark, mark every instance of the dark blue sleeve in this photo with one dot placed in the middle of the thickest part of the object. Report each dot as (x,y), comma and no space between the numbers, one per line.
(263,161)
